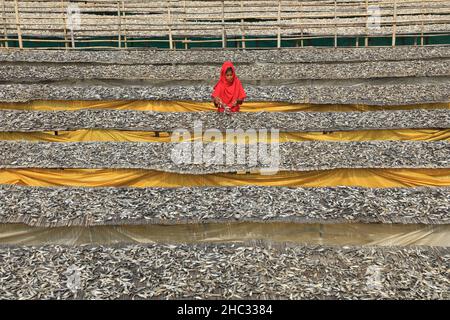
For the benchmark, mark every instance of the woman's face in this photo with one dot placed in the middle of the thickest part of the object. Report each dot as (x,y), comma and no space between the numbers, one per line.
(229,76)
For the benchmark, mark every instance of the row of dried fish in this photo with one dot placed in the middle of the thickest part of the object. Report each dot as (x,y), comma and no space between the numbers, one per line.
(20,120)
(214,57)
(213,157)
(33,72)
(355,92)
(65,206)
(227,271)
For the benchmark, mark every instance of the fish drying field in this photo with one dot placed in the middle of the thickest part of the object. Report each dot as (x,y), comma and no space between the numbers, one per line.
(343,193)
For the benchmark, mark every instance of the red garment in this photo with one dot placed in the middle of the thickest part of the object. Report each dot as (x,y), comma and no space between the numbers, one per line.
(229,92)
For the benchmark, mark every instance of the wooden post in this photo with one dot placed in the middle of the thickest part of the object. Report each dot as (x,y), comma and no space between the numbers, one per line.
(279,25)
(4,24)
(124,25)
(242,26)
(224,40)
(169,21)
(19,32)
(394,26)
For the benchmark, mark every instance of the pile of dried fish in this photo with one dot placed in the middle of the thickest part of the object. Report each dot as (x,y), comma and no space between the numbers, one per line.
(223,271)
(64,206)
(207,74)
(19,120)
(215,57)
(202,158)
(357,92)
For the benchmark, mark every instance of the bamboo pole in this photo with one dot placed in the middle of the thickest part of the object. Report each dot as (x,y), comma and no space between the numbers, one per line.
(394,26)
(224,40)
(366,39)
(279,25)
(184,21)
(191,41)
(4,24)
(301,20)
(169,24)
(301,30)
(72,37)
(335,23)
(63,12)
(72,26)
(242,27)
(119,27)
(19,32)
(125,25)
(422,9)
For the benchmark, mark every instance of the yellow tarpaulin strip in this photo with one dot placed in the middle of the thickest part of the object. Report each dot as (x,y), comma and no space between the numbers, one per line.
(372,178)
(192,106)
(146,136)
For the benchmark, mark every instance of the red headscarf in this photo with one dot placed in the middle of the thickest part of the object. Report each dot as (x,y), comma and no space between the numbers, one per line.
(228,92)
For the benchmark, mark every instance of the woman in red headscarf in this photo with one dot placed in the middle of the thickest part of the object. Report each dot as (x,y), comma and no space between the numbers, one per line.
(228,92)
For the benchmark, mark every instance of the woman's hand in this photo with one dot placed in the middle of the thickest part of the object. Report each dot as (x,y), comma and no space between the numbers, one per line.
(217,101)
